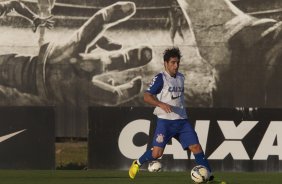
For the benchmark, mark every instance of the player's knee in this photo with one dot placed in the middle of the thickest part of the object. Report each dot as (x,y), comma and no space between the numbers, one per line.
(156,155)
(195,148)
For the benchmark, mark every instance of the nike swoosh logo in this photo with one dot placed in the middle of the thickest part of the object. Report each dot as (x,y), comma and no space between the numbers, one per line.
(8,136)
(175,97)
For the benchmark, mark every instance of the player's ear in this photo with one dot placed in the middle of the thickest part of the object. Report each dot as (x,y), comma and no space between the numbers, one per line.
(165,64)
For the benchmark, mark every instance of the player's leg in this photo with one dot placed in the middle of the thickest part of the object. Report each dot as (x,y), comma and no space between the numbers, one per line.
(200,157)
(197,150)
(149,155)
(189,140)
(161,137)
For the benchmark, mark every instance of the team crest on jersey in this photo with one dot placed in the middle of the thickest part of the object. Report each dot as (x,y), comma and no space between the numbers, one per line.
(160,138)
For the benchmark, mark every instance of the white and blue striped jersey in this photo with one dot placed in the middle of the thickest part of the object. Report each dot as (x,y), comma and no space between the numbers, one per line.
(169,90)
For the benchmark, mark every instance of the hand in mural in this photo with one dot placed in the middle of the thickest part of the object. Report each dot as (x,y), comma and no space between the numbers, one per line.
(91,66)
(244,51)
(45,22)
(8,6)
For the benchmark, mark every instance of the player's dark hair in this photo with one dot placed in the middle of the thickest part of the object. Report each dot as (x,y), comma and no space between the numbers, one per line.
(172,52)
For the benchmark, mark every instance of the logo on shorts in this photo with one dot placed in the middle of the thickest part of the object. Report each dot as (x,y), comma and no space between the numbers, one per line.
(160,138)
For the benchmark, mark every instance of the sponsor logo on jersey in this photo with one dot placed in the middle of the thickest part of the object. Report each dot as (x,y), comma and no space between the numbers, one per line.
(176,89)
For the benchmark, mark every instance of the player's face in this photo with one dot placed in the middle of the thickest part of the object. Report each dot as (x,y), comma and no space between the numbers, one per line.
(172,65)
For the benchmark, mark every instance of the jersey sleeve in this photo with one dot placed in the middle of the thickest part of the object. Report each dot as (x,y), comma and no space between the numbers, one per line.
(156,85)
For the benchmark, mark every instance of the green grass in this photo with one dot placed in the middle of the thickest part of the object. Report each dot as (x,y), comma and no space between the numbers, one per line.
(121,177)
(71,155)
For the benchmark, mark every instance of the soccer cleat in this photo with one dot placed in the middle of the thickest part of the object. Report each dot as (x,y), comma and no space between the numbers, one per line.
(133,170)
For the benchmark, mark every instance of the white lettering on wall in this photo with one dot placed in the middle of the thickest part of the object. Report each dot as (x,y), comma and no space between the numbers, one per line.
(267,147)
(234,146)
(125,141)
(231,145)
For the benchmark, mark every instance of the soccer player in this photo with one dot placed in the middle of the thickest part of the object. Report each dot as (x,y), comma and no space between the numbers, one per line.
(8,6)
(166,93)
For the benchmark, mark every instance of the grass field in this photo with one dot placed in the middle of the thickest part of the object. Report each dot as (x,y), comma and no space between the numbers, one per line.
(121,177)
(71,155)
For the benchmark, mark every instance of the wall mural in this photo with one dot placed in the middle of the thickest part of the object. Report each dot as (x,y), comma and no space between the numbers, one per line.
(75,54)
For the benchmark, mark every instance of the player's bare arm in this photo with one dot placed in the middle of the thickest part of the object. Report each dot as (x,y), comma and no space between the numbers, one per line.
(152,100)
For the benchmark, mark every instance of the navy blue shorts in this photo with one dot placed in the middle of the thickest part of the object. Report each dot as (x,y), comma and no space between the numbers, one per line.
(180,129)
